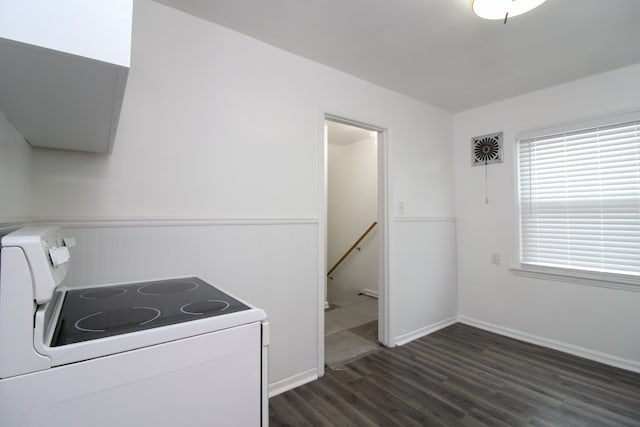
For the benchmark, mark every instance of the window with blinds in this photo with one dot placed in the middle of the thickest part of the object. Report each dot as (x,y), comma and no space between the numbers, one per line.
(579,196)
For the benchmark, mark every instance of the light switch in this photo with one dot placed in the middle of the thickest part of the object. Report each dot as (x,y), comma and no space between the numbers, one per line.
(495,258)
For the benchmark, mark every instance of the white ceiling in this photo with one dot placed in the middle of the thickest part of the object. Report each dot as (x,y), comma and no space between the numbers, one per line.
(438,51)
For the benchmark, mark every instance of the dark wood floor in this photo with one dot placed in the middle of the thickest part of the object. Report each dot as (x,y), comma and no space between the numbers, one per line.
(464,376)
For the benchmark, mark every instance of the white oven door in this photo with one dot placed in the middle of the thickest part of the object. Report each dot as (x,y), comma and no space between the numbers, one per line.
(209,379)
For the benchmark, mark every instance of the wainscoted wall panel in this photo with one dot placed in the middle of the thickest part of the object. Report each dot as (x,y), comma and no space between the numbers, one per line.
(272,264)
(425,276)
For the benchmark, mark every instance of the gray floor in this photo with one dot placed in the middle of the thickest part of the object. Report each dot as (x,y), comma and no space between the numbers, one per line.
(350,330)
(464,376)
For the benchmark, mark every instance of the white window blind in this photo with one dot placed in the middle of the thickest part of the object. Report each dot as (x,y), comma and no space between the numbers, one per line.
(579,195)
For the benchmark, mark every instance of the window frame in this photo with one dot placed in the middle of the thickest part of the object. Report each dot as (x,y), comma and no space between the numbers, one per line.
(628,282)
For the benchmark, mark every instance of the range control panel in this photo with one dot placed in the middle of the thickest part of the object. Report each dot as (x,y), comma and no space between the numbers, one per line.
(57,249)
(47,252)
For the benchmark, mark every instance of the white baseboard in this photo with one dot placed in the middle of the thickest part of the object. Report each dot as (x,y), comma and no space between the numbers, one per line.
(368,292)
(423,219)
(292,382)
(607,359)
(426,330)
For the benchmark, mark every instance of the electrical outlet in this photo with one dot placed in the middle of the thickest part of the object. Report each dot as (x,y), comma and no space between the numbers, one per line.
(401,208)
(495,258)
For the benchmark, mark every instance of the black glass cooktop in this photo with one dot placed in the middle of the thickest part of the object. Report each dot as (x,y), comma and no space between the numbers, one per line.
(92,313)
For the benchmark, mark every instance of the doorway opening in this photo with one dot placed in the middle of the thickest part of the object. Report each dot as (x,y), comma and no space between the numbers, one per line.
(354,241)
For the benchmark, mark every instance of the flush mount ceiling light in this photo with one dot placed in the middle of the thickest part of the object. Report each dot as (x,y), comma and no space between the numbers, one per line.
(503,9)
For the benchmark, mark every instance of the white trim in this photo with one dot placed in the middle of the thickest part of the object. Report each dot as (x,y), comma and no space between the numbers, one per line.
(323,288)
(568,275)
(423,219)
(356,123)
(385,307)
(600,280)
(587,124)
(608,359)
(322,291)
(107,222)
(292,382)
(425,330)
(516,217)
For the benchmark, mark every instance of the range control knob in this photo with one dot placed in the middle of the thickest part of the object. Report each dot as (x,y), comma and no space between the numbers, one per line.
(59,256)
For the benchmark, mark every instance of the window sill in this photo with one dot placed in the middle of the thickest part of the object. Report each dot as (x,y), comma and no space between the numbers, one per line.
(602,280)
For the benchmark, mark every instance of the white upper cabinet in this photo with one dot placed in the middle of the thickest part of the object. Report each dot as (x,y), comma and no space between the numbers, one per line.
(63,70)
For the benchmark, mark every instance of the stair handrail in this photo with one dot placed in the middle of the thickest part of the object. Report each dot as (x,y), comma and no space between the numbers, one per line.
(355,245)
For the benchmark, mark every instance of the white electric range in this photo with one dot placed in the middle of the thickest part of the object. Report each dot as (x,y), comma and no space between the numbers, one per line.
(166,352)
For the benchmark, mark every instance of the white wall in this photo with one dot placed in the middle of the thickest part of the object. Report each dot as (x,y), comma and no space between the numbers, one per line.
(352,207)
(215,126)
(595,322)
(15,175)
(425,265)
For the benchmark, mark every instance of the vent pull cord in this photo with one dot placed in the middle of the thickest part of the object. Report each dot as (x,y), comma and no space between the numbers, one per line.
(486,183)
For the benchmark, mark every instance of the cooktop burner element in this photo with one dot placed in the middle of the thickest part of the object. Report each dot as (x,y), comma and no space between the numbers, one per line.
(113,319)
(100,312)
(202,307)
(103,293)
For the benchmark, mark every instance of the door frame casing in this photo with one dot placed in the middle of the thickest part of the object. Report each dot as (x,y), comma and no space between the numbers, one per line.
(384,297)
